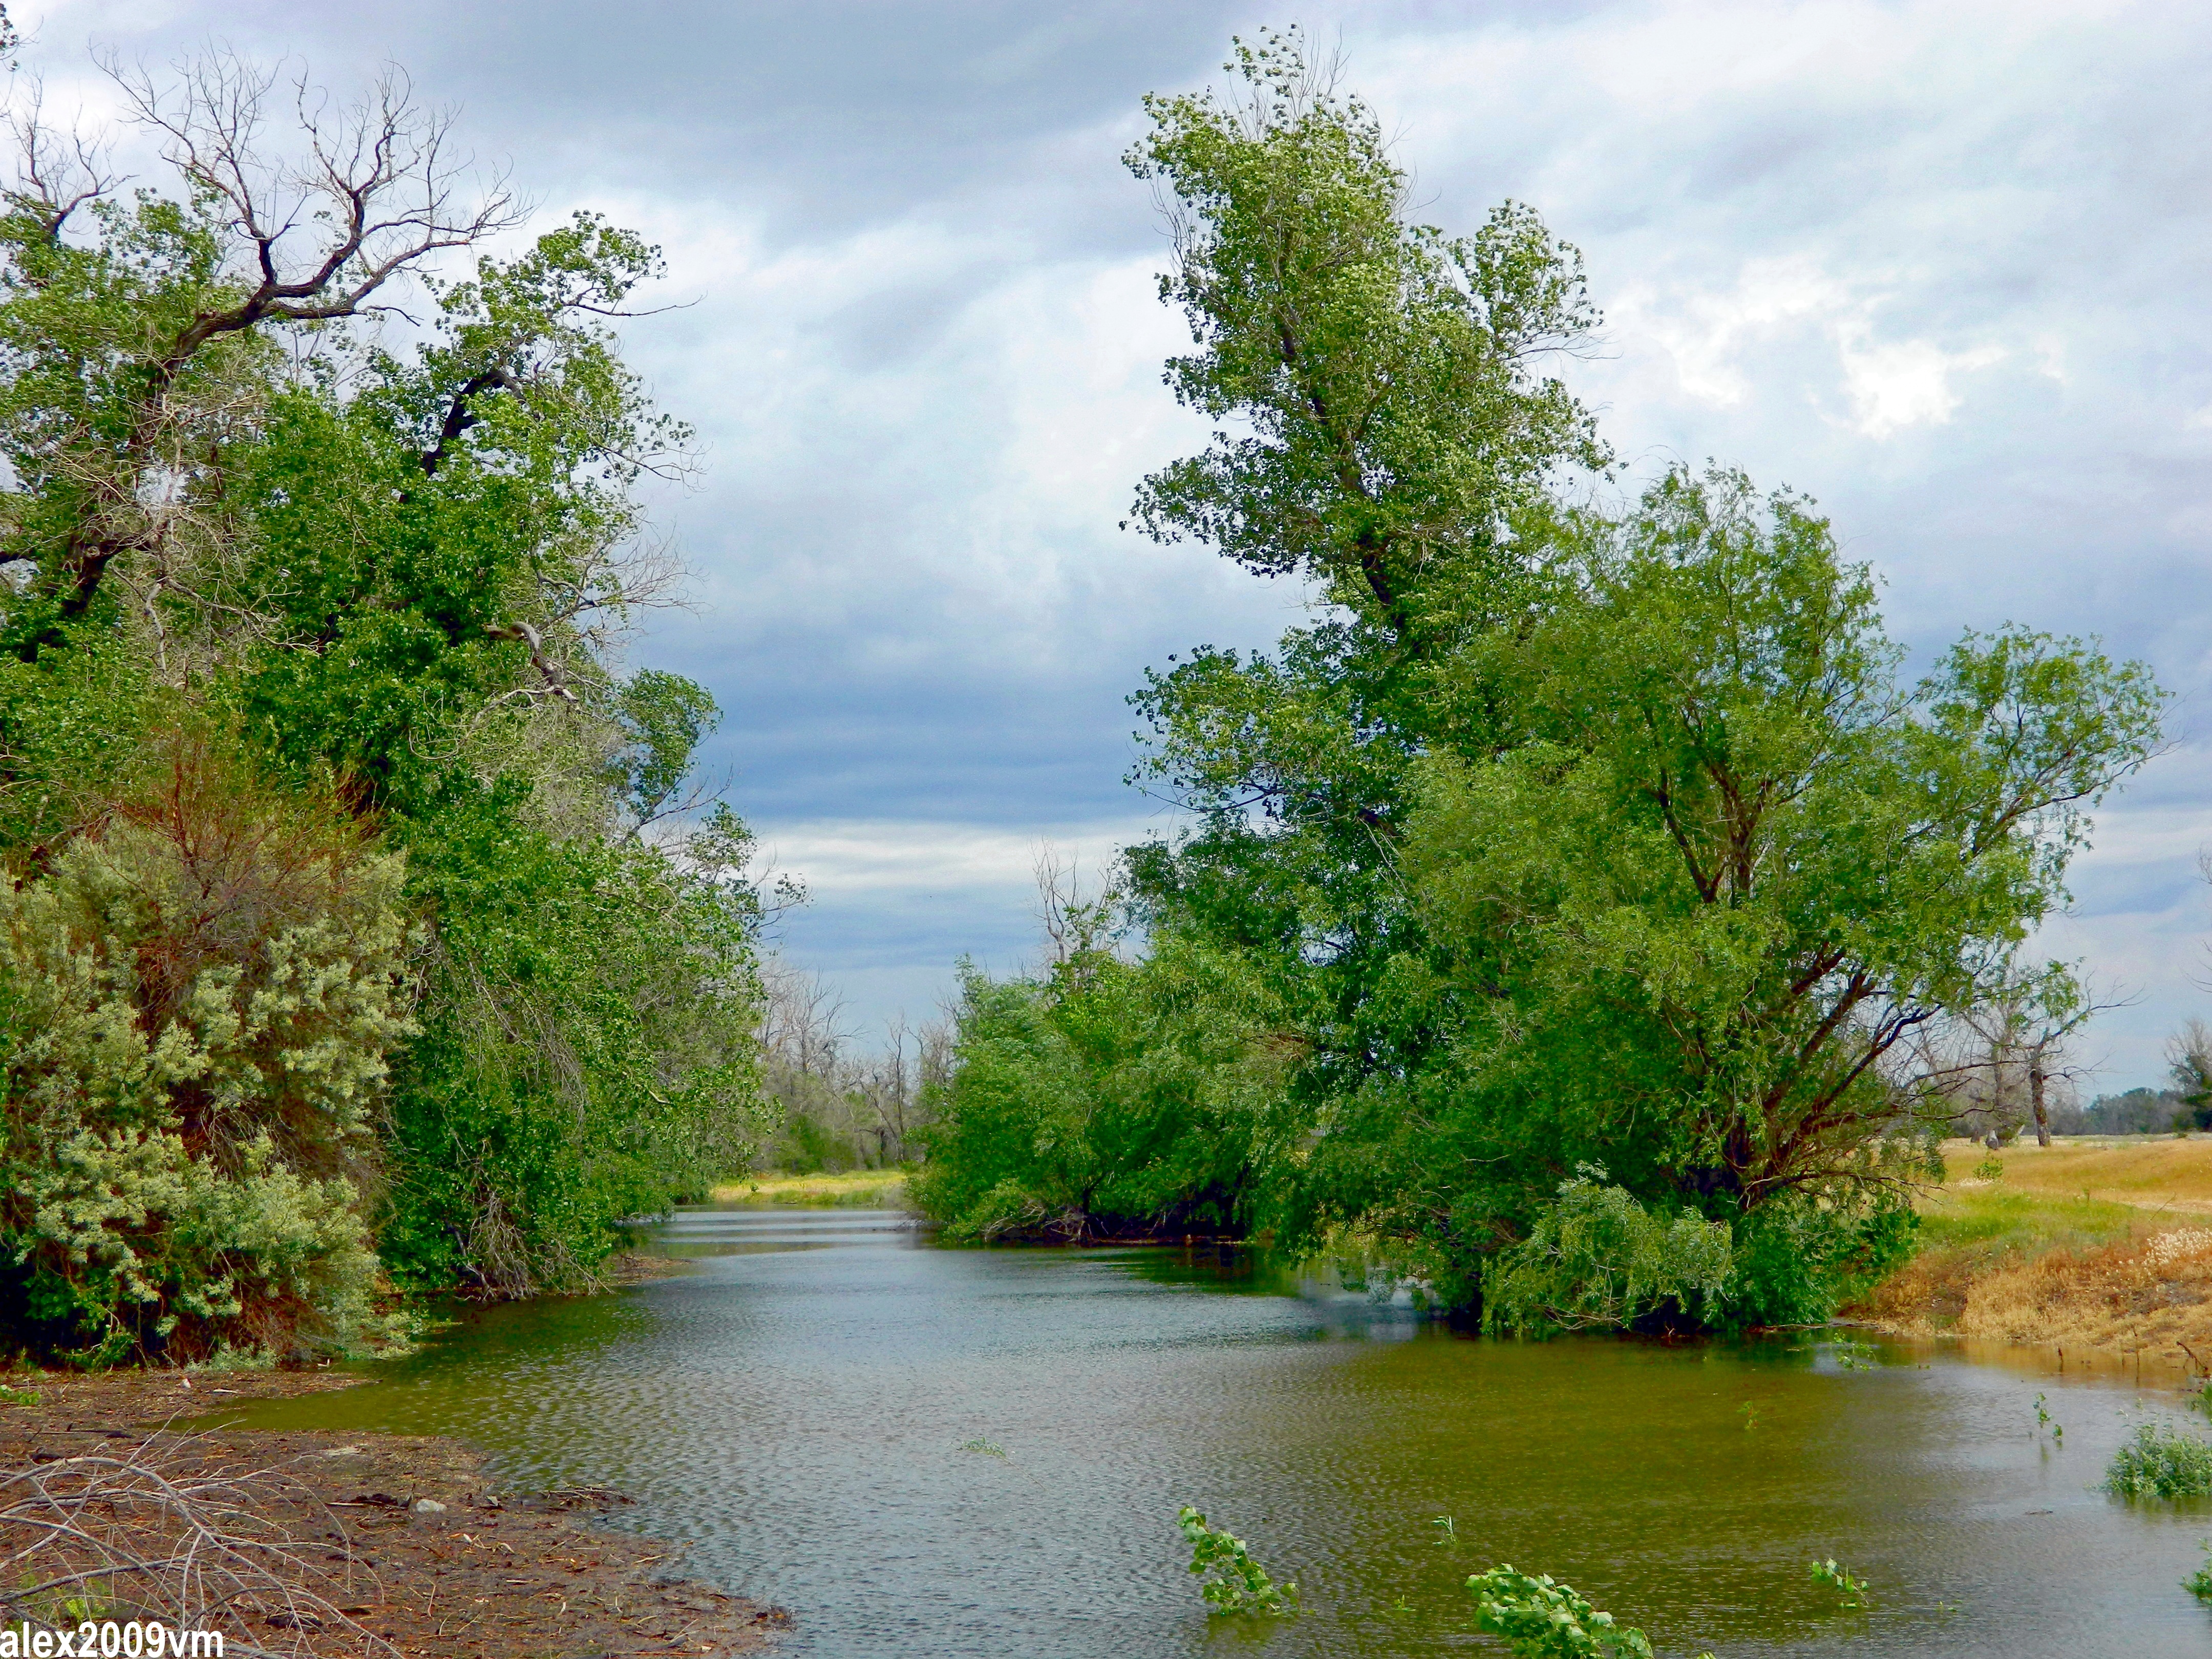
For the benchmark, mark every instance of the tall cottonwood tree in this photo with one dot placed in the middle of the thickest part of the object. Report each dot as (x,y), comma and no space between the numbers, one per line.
(1562,837)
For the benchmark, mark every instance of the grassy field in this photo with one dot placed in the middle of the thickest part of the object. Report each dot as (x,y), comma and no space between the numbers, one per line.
(855,1190)
(2091,1244)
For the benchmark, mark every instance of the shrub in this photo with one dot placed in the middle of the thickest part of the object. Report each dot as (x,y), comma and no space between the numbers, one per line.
(197,995)
(2158,1461)
(1598,1259)
(1798,1258)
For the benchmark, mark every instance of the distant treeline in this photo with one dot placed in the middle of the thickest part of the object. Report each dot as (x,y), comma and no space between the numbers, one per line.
(2137,1112)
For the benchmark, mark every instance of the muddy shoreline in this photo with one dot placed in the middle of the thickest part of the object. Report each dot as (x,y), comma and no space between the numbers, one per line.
(421,1549)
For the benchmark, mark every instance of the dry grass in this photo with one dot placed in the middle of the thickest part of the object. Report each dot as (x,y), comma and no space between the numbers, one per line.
(2162,1174)
(2090,1245)
(858,1189)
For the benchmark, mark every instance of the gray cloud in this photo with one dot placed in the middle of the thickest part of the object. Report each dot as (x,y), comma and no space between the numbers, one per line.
(1941,263)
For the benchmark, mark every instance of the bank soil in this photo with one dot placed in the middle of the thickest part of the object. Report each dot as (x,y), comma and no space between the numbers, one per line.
(2096,1248)
(401,1545)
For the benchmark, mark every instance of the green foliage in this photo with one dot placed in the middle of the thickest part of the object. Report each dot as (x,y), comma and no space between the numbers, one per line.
(1231,1580)
(2199,1583)
(2158,1461)
(1850,1593)
(1542,1619)
(1107,1098)
(1557,839)
(588,1051)
(1595,1257)
(1382,368)
(1799,1257)
(198,1001)
(397,580)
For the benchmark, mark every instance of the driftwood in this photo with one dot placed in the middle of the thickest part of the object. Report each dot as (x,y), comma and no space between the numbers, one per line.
(159,1532)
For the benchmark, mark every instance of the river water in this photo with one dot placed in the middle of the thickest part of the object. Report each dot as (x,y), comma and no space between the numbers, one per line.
(800,1407)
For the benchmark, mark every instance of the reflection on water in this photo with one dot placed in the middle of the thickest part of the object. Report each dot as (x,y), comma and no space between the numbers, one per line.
(796,1405)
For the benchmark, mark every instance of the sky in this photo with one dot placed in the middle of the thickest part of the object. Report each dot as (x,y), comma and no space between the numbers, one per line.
(1944,266)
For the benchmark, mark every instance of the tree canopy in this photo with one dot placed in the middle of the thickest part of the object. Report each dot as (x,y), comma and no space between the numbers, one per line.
(1595,868)
(377,574)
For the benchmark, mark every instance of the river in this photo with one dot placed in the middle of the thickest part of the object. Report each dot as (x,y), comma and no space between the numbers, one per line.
(801,1408)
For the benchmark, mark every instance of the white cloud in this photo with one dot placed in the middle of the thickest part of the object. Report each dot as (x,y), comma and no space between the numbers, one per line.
(1893,384)
(839,858)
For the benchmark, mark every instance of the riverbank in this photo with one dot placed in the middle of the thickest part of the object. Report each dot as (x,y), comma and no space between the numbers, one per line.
(856,1189)
(389,1544)
(2093,1245)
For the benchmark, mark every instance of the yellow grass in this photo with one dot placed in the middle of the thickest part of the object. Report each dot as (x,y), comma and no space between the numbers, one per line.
(2164,1175)
(2087,1244)
(859,1189)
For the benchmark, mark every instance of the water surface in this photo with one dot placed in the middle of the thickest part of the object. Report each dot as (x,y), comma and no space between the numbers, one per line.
(798,1408)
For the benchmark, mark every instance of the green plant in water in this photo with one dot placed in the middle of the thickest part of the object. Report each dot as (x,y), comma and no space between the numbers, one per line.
(2043,1421)
(1232,1581)
(984,1447)
(1854,1356)
(2158,1461)
(1446,1532)
(2199,1583)
(1542,1618)
(1750,1413)
(1849,1592)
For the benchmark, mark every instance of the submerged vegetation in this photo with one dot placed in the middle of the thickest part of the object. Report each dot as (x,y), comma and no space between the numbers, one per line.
(1230,1580)
(1572,909)
(2160,1461)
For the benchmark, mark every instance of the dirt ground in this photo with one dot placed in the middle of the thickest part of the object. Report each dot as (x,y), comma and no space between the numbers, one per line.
(484,1574)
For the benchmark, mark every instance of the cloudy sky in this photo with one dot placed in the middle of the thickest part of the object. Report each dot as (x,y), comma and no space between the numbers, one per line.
(1946,266)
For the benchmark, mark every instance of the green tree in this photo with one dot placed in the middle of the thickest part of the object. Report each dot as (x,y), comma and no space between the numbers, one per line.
(1694,919)
(1558,840)
(1399,448)
(400,576)
(1107,1098)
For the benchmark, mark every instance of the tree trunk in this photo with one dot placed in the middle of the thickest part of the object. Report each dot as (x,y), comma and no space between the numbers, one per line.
(2035,1099)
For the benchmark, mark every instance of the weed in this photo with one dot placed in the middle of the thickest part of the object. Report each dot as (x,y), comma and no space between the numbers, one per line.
(1750,1416)
(2043,1421)
(1543,1620)
(1989,1169)
(1446,1532)
(2158,1461)
(1855,1356)
(18,1396)
(2199,1583)
(984,1447)
(1232,1582)
(1850,1593)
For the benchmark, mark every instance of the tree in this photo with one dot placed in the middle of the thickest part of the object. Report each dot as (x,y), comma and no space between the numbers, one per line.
(398,575)
(1558,840)
(1696,915)
(2189,1061)
(1401,449)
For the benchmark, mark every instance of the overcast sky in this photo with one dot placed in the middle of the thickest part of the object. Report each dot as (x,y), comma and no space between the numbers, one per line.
(1945,266)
